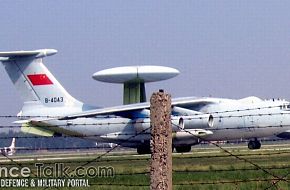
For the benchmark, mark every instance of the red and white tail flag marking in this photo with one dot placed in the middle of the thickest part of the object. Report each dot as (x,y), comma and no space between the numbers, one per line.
(39,79)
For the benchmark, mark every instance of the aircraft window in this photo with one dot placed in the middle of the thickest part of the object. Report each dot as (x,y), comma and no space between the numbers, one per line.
(285,106)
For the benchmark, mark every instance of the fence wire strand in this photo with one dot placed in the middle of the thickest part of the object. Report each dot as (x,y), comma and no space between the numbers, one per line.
(275,179)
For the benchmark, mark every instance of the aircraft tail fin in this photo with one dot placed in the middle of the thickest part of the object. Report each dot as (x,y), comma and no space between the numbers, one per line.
(36,85)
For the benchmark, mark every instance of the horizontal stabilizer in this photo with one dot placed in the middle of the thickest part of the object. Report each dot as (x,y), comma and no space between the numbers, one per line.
(19,54)
(26,128)
(35,127)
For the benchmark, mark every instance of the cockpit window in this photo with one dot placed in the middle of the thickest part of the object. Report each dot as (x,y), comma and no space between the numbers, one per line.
(285,106)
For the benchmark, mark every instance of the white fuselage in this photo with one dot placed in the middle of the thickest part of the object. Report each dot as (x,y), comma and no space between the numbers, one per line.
(232,119)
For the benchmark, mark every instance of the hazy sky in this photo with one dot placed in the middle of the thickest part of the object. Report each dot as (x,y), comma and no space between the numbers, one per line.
(228,48)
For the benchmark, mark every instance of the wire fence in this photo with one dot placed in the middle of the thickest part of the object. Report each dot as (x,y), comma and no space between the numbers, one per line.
(277,178)
(271,178)
(193,114)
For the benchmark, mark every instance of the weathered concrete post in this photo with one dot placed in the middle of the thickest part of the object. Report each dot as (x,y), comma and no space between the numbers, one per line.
(161,142)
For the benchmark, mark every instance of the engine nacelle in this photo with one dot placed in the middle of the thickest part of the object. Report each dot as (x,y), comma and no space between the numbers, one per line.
(179,123)
(196,122)
(141,125)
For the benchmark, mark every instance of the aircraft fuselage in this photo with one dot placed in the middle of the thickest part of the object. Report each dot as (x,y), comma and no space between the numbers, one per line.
(232,119)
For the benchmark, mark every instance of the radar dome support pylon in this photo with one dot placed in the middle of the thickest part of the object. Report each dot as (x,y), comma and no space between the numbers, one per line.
(134,92)
(134,78)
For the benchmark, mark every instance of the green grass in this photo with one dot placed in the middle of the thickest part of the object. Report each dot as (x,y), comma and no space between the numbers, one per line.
(201,171)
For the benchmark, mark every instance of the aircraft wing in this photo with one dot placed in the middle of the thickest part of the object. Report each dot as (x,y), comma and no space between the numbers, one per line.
(125,109)
(194,103)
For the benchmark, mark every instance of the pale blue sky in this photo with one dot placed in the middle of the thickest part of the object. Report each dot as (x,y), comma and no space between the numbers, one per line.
(228,48)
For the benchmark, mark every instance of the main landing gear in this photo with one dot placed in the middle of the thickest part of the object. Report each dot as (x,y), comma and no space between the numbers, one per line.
(143,149)
(254,144)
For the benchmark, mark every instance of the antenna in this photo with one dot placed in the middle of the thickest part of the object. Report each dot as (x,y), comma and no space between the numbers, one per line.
(134,78)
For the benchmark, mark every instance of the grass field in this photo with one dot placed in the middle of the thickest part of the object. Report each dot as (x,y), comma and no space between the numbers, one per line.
(201,169)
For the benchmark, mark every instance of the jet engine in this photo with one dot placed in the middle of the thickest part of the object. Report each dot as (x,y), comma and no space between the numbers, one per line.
(195,122)
(189,119)
(178,123)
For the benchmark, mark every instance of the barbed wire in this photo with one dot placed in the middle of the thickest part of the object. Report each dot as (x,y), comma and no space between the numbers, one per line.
(240,155)
(131,135)
(19,164)
(237,157)
(275,183)
(80,147)
(95,147)
(231,169)
(104,116)
(283,167)
(185,118)
(107,152)
(113,158)
(135,132)
(93,160)
(147,133)
(226,151)
(257,166)
(204,183)
(59,148)
(194,182)
(71,136)
(119,184)
(227,182)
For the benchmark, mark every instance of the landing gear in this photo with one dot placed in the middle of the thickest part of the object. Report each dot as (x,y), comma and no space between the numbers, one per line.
(143,149)
(182,149)
(254,144)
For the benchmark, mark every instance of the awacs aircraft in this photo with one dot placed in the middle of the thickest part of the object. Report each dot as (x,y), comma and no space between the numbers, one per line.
(9,151)
(49,110)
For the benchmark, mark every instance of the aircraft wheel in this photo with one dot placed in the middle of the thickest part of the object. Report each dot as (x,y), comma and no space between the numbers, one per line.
(258,144)
(251,145)
(254,144)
